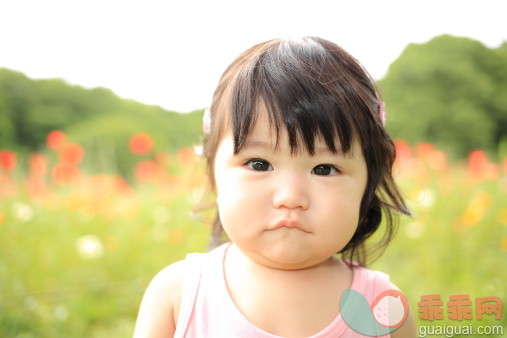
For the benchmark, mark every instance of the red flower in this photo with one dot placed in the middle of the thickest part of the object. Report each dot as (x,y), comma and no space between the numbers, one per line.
(479,166)
(477,162)
(8,160)
(140,144)
(56,139)
(71,153)
(65,173)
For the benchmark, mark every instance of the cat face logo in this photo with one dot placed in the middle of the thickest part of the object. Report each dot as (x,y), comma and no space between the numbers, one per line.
(387,312)
(390,308)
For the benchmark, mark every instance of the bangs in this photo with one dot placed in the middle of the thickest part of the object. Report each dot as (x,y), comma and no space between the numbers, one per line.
(315,91)
(303,91)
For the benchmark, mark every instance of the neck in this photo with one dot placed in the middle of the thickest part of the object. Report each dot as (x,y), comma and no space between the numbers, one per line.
(237,261)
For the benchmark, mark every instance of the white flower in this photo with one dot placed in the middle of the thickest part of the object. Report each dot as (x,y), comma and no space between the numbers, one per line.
(89,247)
(199,150)
(22,211)
(61,313)
(426,198)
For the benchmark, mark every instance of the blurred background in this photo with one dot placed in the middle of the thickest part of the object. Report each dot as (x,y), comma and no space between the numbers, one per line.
(101,106)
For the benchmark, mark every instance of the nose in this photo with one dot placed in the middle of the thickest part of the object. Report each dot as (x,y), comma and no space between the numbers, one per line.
(291,193)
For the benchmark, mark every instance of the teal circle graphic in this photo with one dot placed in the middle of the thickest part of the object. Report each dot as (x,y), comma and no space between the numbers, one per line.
(358,315)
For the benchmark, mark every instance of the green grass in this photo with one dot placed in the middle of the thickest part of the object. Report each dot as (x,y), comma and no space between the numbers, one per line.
(49,287)
(455,244)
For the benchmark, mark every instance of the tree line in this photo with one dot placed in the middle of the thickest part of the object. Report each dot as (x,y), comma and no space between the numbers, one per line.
(96,118)
(450,91)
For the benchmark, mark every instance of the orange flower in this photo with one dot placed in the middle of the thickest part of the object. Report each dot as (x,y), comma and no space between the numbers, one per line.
(177,236)
(36,187)
(71,153)
(8,160)
(38,164)
(106,185)
(503,244)
(140,144)
(122,186)
(56,139)
(7,186)
(186,156)
(479,166)
(476,209)
(431,156)
(424,150)
(403,150)
(65,173)
(147,171)
(163,159)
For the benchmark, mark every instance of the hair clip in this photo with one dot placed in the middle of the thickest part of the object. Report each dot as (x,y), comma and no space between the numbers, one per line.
(382,113)
(206,121)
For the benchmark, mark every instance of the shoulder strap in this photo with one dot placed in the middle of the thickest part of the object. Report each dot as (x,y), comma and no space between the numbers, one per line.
(382,281)
(193,263)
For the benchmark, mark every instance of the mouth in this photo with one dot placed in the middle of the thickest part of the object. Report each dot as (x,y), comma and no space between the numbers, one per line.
(289,224)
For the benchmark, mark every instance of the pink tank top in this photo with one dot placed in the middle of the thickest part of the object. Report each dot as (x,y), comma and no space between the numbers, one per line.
(207,309)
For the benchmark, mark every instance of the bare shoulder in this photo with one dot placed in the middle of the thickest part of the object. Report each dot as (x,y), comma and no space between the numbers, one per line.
(409,328)
(160,305)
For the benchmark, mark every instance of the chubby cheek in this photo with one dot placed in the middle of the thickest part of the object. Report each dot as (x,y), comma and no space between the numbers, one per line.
(341,217)
(237,209)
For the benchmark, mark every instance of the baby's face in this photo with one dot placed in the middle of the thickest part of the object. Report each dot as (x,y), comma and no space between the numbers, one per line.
(288,211)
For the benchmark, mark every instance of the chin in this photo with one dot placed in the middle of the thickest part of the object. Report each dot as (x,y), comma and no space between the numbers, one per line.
(287,266)
(290,260)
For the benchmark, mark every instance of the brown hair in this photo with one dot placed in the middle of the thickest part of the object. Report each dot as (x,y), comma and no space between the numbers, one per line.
(311,87)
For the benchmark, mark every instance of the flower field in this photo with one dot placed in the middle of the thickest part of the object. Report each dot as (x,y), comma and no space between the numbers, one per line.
(78,248)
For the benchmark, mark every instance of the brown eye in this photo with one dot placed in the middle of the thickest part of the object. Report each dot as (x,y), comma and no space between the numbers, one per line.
(324,170)
(259,165)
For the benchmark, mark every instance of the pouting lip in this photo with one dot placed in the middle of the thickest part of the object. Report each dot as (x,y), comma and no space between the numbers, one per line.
(287,223)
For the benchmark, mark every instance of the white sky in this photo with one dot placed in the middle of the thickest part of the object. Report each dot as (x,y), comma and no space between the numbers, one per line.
(172,53)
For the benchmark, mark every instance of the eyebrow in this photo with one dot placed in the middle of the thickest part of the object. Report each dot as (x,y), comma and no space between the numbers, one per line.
(265,145)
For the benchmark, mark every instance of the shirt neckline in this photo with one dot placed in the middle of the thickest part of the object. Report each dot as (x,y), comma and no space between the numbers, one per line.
(337,325)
